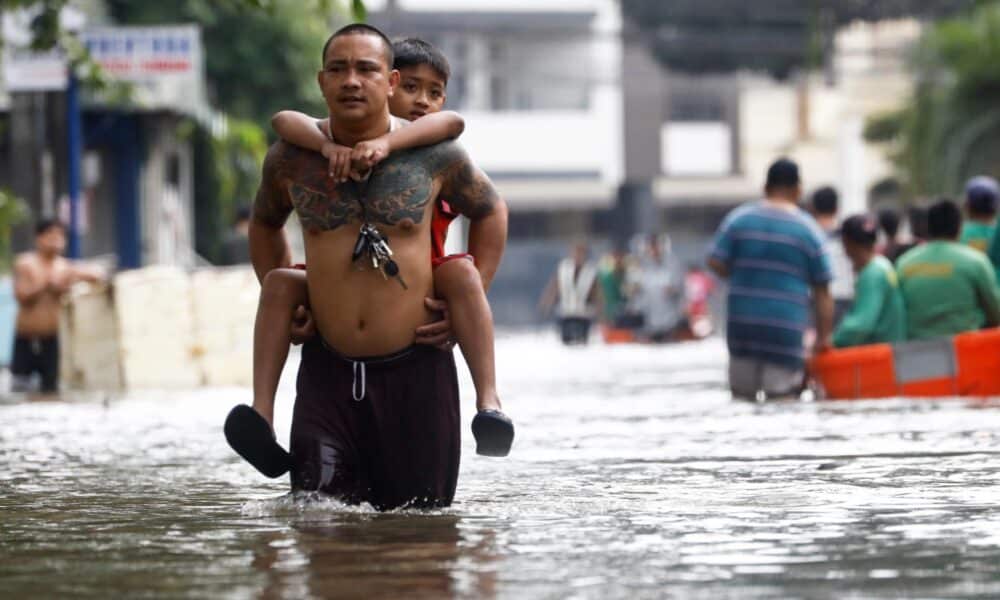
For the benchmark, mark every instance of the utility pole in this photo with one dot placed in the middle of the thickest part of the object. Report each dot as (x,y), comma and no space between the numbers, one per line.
(74,147)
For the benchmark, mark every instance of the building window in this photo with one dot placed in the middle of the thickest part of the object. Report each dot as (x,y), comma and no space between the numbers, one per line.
(687,106)
(511,72)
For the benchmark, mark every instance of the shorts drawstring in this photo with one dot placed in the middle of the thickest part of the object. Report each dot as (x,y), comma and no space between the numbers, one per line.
(358,396)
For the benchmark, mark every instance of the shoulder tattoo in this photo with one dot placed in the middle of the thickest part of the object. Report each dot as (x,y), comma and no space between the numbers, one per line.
(463,185)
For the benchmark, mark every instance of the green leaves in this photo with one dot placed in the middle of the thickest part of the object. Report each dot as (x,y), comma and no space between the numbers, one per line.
(13,211)
(358,10)
(950,128)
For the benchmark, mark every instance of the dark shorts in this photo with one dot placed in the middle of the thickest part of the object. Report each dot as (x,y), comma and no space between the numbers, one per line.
(574,330)
(37,355)
(384,430)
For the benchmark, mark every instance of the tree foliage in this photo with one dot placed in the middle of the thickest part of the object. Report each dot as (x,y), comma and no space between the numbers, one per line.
(950,127)
(13,211)
(261,56)
(257,61)
(778,36)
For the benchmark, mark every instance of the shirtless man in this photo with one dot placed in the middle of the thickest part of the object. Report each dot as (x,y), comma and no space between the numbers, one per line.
(40,280)
(376,417)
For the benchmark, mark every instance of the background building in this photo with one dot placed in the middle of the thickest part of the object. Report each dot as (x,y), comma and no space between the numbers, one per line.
(588,136)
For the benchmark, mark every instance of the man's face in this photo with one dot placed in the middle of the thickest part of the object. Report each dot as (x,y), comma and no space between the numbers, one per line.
(51,241)
(421,91)
(355,80)
(856,253)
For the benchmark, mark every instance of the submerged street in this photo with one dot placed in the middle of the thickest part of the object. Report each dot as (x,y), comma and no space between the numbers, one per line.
(633,475)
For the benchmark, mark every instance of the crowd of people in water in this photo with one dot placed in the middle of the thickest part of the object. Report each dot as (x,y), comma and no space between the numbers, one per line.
(637,292)
(802,282)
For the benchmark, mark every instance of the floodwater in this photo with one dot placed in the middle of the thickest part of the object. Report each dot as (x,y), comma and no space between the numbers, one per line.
(633,476)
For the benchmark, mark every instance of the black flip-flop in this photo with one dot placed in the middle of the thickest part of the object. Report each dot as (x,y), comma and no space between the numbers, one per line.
(494,433)
(251,437)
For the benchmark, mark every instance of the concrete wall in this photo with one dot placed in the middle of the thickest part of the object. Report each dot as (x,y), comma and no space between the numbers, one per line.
(160,327)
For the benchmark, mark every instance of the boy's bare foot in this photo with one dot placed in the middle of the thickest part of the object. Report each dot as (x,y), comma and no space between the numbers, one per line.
(488,402)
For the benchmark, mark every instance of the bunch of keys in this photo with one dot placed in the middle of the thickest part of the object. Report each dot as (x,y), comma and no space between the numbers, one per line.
(376,246)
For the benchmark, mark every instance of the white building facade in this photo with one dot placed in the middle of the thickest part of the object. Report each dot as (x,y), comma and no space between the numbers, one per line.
(565,108)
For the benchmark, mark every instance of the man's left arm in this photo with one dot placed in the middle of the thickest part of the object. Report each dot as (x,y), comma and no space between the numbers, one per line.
(989,294)
(83,272)
(471,193)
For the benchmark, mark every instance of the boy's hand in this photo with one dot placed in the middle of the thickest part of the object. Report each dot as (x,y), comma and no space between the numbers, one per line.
(369,153)
(303,327)
(438,333)
(340,161)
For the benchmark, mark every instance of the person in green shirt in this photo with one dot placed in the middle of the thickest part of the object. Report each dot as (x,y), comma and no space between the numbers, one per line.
(994,253)
(877,315)
(981,195)
(613,282)
(947,287)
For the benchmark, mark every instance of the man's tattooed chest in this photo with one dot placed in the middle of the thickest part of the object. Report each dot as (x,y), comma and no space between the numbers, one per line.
(395,194)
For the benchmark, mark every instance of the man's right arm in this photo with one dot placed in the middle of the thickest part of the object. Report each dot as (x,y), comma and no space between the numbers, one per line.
(28,286)
(269,247)
(871,290)
(989,294)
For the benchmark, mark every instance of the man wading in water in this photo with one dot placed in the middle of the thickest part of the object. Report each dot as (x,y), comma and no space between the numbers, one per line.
(41,279)
(376,418)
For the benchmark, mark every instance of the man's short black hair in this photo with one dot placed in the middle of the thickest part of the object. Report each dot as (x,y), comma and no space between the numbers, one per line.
(783,173)
(860,229)
(888,220)
(412,52)
(46,224)
(361,29)
(944,220)
(981,196)
(825,201)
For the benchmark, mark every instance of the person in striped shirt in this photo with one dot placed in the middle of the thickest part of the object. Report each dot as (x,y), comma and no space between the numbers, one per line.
(773,255)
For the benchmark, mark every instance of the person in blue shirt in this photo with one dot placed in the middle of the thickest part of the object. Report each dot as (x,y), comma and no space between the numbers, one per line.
(773,255)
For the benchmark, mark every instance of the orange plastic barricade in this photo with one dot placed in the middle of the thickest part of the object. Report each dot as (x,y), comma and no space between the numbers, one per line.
(978,363)
(967,364)
(858,372)
(613,335)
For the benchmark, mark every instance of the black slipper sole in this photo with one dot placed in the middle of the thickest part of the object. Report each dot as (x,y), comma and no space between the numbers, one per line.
(252,438)
(494,433)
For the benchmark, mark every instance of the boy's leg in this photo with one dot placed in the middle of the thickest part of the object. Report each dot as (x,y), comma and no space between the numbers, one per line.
(458,282)
(282,291)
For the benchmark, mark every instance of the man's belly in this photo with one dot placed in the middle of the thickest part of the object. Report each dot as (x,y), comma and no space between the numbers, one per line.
(41,319)
(358,312)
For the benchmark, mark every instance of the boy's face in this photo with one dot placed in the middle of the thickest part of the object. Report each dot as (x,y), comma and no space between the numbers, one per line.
(421,91)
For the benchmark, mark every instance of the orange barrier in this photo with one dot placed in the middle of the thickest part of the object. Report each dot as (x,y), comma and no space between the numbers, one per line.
(967,364)
(978,363)
(859,372)
(613,335)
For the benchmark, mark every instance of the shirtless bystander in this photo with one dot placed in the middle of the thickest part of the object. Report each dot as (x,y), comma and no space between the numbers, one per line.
(41,278)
